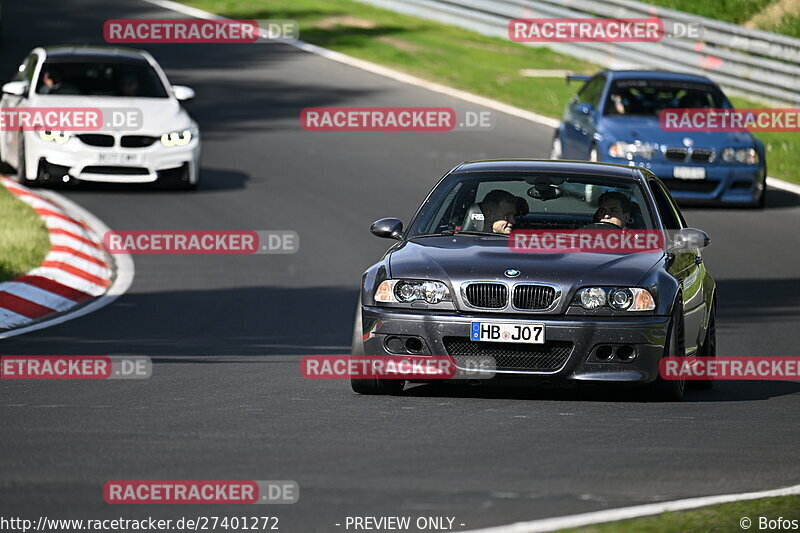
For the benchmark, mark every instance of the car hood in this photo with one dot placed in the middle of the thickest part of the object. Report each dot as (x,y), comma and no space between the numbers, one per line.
(159,115)
(647,129)
(457,259)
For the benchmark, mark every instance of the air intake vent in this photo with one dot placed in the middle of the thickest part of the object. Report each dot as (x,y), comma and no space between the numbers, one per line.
(487,295)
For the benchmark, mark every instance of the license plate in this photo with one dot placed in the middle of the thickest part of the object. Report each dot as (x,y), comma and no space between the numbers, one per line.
(689,173)
(495,332)
(117,158)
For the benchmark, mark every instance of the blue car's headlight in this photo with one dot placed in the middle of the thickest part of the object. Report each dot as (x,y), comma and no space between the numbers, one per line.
(746,156)
(626,150)
(411,290)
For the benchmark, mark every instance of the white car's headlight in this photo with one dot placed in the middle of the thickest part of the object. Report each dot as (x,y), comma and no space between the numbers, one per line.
(54,136)
(410,290)
(625,150)
(177,138)
(617,298)
(746,156)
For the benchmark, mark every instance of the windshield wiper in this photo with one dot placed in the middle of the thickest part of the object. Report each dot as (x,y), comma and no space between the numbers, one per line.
(450,232)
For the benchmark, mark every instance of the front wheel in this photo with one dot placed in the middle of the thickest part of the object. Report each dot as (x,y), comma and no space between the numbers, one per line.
(370,386)
(556,150)
(671,390)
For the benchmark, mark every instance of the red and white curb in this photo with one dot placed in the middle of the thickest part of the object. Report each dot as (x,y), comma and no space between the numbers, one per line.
(77,275)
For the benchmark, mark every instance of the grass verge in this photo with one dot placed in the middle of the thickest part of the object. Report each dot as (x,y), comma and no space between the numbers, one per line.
(453,56)
(24,240)
(759,13)
(716,518)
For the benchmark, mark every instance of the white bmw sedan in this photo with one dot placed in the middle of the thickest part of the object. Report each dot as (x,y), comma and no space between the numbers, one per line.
(145,135)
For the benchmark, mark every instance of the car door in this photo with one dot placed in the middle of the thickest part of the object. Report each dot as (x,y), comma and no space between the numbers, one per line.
(580,119)
(687,267)
(9,140)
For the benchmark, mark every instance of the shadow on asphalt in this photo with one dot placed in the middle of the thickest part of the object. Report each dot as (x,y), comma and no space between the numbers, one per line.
(757,300)
(211,180)
(729,391)
(776,199)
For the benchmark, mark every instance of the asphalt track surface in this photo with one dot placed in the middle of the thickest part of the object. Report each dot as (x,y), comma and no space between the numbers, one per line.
(226,400)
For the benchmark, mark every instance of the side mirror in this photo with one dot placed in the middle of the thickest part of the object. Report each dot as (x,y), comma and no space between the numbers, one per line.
(387,228)
(585,109)
(182,92)
(15,88)
(687,240)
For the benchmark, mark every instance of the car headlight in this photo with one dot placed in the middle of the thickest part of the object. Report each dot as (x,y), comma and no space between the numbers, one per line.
(746,156)
(625,150)
(409,290)
(177,138)
(54,136)
(618,298)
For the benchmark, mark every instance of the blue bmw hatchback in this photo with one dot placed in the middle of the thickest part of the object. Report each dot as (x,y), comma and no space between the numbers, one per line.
(614,118)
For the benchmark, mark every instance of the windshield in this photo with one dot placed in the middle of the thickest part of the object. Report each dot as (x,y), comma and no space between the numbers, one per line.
(495,203)
(100,78)
(650,97)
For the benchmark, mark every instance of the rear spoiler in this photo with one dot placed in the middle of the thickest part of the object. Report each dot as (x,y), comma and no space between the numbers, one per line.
(578,77)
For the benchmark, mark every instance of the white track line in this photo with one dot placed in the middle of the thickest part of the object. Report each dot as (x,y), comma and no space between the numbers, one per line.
(413,80)
(625,513)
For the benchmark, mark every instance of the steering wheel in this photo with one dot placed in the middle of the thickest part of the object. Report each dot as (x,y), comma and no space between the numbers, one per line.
(601,225)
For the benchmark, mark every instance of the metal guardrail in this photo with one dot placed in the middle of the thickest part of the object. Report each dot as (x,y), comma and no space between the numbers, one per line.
(749,62)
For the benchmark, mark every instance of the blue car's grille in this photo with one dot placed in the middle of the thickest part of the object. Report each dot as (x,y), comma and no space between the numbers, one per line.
(534,296)
(695,155)
(487,295)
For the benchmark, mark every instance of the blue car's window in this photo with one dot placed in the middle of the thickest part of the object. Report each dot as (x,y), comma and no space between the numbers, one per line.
(474,202)
(649,97)
(132,78)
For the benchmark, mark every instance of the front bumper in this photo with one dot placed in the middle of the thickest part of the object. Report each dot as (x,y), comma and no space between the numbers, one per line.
(723,184)
(646,334)
(83,162)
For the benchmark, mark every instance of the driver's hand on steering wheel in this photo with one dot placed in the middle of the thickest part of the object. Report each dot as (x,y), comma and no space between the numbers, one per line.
(502,226)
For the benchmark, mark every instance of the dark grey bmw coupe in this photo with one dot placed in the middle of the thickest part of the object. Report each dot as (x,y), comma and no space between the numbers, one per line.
(454,284)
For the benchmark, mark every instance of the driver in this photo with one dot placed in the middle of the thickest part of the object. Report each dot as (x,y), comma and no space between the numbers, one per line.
(615,208)
(500,210)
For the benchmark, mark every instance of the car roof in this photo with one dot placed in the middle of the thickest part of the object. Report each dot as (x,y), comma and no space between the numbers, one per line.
(551,166)
(656,75)
(96,52)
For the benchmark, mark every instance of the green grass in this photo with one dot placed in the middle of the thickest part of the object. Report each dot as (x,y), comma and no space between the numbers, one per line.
(24,240)
(733,11)
(455,57)
(714,519)
(736,12)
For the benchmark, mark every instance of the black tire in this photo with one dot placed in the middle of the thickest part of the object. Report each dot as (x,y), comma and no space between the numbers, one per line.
(556,148)
(370,386)
(708,349)
(671,390)
(762,200)
(20,176)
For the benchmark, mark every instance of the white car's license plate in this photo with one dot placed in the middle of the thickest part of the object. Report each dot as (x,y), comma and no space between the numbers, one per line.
(118,158)
(689,173)
(496,332)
